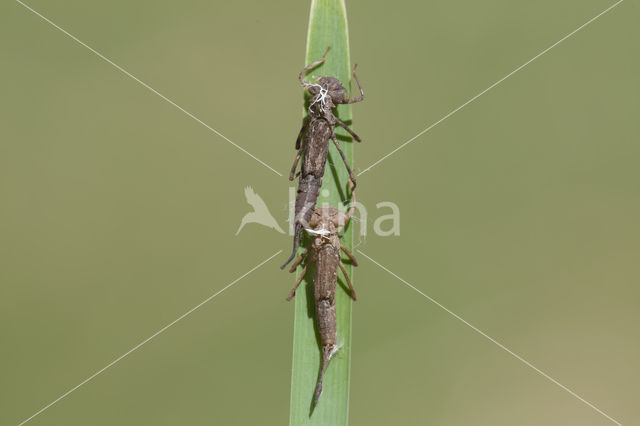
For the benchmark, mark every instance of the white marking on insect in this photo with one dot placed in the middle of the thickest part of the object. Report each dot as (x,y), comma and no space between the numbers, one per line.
(336,347)
(320,97)
(322,231)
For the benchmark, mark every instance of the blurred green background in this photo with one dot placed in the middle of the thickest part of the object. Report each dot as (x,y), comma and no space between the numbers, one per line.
(519,213)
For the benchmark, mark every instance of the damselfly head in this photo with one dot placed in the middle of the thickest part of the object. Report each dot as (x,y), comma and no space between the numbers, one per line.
(336,91)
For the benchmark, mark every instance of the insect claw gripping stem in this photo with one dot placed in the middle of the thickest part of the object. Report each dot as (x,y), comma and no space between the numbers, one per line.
(311,66)
(361,97)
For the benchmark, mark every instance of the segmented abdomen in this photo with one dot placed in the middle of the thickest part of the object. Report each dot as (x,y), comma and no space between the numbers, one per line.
(316,146)
(308,191)
(325,291)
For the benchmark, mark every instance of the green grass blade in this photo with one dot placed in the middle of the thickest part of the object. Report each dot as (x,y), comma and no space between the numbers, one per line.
(327,27)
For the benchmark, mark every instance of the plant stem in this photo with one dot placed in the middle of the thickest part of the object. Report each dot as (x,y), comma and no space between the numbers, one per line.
(327,27)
